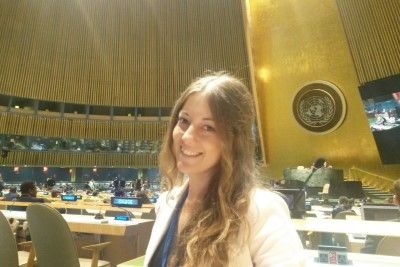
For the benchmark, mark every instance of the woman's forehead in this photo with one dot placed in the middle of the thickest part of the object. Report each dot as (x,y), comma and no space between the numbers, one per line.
(197,105)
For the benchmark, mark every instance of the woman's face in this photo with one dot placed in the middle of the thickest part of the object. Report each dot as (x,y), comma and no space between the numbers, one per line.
(196,142)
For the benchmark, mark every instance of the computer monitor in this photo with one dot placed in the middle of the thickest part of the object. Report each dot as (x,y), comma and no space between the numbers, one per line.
(69,197)
(126,202)
(295,198)
(379,212)
(381,100)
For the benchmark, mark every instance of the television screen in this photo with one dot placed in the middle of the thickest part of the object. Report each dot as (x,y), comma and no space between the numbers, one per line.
(69,198)
(379,212)
(126,202)
(295,199)
(381,100)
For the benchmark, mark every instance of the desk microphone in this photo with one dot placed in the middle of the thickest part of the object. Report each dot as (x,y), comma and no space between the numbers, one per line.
(99,216)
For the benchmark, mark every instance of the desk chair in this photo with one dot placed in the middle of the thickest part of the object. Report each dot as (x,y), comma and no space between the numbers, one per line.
(389,245)
(9,254)
(53,240)
(340,238)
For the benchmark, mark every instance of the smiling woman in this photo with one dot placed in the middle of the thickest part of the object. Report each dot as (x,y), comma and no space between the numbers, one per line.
(197,145)
(213,213)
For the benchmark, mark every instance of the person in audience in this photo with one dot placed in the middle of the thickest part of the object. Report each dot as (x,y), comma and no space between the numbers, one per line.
(55,193)
(92,184)
(343,204)
(12,194)
(214,213)
(50,183)
(371,242)
(138,184)
(1,184)
(28,194)
(144,198)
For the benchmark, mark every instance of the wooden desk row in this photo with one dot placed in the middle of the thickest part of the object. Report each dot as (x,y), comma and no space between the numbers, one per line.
(381,228)
(146,211)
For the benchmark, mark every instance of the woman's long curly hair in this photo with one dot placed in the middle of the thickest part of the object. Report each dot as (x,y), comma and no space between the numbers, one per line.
(206,239)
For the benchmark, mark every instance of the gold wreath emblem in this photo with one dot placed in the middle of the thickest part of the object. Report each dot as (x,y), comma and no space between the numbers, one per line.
(319,107)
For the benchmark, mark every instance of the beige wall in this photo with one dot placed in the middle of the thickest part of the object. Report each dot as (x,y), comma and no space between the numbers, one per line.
(293,43)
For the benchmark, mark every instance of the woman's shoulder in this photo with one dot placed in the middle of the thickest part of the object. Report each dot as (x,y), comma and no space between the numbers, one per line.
(262,196)
(264,202)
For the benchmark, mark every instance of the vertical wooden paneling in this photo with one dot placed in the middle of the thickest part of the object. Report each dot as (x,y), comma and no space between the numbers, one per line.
(117,53)
(18,158)
(122,53)
(22,124)
(373,32)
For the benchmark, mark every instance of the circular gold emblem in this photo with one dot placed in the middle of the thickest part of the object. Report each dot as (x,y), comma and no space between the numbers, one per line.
(319,107)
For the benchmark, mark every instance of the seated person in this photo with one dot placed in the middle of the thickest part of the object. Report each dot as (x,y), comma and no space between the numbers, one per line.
(92,185)
(1,185)
(50,183)
(12,194)
(344,204)
(144,198)
(371,243)
(55,193)
(119,192)
(28,194)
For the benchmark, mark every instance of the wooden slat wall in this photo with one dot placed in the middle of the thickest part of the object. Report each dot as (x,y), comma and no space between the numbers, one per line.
(30,125)
(21,158)
(373,31)
(140,53)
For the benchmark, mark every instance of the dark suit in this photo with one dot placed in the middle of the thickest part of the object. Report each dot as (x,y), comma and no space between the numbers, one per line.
(26,198)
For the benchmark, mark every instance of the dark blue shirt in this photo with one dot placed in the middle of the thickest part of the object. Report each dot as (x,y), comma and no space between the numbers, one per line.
(161,255)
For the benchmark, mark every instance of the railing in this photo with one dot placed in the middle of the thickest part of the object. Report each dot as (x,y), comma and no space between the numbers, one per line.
(370,179)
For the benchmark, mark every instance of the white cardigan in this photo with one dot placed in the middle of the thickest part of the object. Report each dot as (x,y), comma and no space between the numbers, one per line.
(273,240)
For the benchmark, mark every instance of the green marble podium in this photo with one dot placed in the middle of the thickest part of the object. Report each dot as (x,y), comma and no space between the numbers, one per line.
(318,178)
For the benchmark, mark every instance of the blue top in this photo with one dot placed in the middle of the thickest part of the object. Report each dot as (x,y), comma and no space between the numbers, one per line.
(161,255)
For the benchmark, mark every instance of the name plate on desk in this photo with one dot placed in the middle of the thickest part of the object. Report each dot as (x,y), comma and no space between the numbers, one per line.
(122,218)
(332,255)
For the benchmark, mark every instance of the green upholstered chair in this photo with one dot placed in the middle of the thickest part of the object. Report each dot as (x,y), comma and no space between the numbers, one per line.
(9,254)
(136,262)
(53,241)
(389,245)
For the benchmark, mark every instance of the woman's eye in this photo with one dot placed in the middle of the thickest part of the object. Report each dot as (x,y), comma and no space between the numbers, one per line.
(183,121)
(208,128)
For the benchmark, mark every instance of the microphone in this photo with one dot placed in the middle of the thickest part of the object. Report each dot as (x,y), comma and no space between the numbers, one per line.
(309,176)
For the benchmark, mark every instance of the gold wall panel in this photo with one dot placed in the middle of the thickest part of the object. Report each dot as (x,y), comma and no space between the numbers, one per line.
(294,43)
(73,128)
(373,32)
(139,53)
(21,158)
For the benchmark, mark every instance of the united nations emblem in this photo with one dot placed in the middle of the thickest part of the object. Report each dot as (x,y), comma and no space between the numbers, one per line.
(319,107)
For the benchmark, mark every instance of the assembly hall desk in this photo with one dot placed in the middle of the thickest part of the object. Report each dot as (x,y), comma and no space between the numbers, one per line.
(129,238)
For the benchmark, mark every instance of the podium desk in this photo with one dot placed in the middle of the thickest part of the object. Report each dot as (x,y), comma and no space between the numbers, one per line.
(381,228)
(129,238)
(318,178)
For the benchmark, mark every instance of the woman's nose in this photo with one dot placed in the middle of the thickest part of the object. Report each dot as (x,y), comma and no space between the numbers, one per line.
(189,134)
